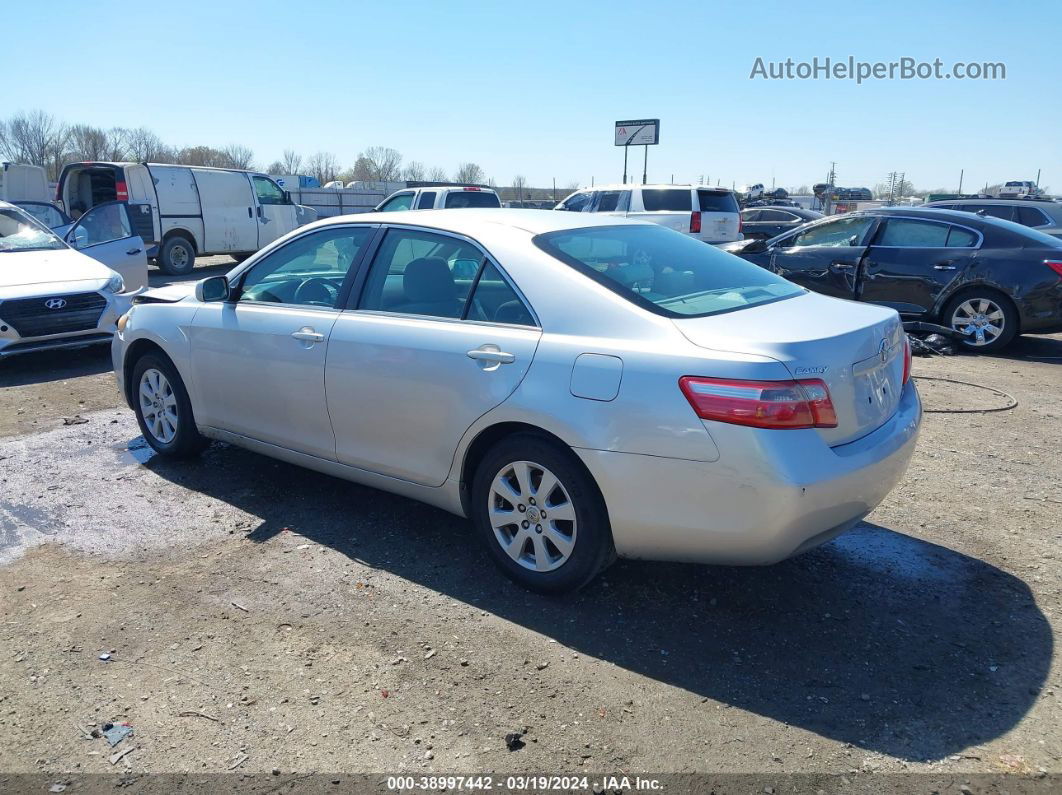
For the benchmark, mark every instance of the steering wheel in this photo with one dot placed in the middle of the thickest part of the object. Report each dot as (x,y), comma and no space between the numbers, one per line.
(316,290)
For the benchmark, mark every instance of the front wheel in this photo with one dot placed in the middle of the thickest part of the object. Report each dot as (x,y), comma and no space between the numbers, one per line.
(987,321)
(541,515)
(163,410)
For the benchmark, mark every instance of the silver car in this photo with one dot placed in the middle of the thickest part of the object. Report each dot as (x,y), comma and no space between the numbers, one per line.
(579,386)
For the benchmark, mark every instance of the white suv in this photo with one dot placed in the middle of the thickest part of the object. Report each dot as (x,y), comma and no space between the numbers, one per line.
(706,213)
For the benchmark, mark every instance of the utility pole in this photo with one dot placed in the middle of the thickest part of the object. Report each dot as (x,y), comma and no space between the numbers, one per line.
(554,189)
(961,172)
(1038,178)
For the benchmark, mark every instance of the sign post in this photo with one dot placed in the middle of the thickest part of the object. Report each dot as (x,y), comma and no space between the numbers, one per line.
(637,132)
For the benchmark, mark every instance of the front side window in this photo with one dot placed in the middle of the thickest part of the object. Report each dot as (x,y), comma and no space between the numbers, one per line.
(309,270)
(665,271)
(668,199)
(267,191)
(907,233)
(20,232)
(102,224)
(846,231)
(421,273)
(576,203)
(403,201)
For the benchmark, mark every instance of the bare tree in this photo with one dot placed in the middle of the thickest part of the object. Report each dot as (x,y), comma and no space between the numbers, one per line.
(276,167)
(572,186)
(323,166)
(239,156)
(362,170)
(87,143)
(383,164)
(36,138)
(292,162)
(142,145)
(437,174)
(468,173)
(414,171)
(116,149)
(520,187)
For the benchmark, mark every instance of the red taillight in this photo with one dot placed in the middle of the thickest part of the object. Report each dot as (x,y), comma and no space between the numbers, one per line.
(906,359)
(695,222)
(761,404)
(1055,265)
(121,191)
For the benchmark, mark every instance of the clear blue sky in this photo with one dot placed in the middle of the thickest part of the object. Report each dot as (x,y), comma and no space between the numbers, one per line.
(534,88)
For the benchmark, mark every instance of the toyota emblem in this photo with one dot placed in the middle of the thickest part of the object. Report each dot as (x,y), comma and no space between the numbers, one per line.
(55,303)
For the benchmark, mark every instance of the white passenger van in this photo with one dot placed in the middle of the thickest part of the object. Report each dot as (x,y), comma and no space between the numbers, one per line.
(186,211)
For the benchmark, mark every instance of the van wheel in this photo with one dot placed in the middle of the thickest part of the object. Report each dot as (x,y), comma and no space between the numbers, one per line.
(177,256)
(541,515)
(163,410)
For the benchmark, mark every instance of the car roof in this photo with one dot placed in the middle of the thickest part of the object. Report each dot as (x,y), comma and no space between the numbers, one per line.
(632,186)
(1009,202)
(475,219)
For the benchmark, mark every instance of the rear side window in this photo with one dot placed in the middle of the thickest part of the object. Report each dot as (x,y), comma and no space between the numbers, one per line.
(713,201)
(472,198)
(992,210)
(668,199)
(427,200)
(665,271)
(495,301)
(1031,216)
(608,201)
(961,238)
(778,216)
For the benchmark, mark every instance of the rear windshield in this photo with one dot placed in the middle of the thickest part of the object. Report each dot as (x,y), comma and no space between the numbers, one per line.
(472,198)
(717,201)
(665,271)
(21,232)
(673,199)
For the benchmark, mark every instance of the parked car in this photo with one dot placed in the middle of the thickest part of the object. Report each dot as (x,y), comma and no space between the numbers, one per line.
(52,296)
(1018,187)
(48,214)
(769,221)
(984,277)
(1043,215)
(439,198)
(590,386)
(708,214)
(188,211)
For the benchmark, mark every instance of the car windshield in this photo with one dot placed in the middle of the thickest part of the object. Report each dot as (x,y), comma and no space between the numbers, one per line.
(19,232)
(665,271)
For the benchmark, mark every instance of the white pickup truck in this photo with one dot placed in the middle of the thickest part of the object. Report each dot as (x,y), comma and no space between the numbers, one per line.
(438,198)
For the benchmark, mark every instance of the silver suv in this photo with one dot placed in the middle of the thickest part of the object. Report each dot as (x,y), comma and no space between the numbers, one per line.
(1046,216)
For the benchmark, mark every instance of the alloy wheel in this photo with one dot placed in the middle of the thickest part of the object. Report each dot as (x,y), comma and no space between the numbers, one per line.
(980,319)
(158,405)
(532,516)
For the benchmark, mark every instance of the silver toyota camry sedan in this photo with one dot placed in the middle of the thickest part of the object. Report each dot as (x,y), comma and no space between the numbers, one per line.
(579,386)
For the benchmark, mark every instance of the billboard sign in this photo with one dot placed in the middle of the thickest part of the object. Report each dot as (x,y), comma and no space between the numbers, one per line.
(638,132)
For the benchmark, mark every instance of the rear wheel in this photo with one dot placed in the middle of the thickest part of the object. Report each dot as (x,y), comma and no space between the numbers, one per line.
(163,409)
(987,320)
(541,515)
(177,256)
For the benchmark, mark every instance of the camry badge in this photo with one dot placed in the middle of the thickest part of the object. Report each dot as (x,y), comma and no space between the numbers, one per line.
(55,303)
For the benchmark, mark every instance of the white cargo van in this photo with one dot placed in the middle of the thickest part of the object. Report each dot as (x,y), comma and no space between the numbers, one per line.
(187,211)
(21,182)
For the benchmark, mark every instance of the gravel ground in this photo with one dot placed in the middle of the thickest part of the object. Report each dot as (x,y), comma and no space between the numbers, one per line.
(261,617)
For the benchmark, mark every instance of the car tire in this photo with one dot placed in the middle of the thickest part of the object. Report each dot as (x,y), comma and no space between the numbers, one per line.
(177,256)
(547,554)
(163,410)
(975,313)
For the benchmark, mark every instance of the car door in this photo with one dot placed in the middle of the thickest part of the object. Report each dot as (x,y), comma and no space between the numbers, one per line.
(426,350)
(911,262)
(825,257)
(275,211)
(105,233)
(258,358)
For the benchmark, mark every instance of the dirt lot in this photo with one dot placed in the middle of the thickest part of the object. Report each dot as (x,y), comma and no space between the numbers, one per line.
(259,616)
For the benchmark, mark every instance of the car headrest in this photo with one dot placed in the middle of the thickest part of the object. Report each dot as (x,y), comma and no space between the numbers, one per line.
(427,280)
(633,273)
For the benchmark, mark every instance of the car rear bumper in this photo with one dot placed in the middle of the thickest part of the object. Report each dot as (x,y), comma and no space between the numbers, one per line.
(777,494)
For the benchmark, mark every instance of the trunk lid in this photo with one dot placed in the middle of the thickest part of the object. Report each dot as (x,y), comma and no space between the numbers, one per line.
(856,349)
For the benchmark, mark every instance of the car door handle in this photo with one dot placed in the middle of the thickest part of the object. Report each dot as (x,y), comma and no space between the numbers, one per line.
(491,354)
(307,334)
(944,265)
(133,251)
(842,264)
(250,214)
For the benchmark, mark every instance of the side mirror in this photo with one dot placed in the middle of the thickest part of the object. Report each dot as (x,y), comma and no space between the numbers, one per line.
(212,289)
